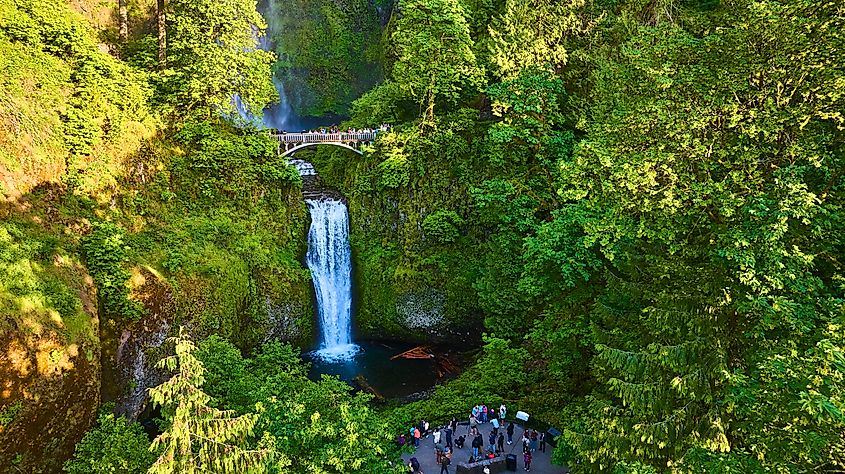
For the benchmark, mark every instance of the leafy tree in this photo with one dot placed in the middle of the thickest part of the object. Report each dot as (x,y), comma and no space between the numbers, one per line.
(708,168)
(199,438)
(212,54)
(435,58)
(105,254)
(113,445)
(531,34)
(319,426)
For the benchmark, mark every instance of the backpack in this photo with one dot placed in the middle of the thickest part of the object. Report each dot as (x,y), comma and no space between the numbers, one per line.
(446,461)
(415,464)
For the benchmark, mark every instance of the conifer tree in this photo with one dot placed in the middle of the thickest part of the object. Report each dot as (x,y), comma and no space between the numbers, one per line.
(199,438)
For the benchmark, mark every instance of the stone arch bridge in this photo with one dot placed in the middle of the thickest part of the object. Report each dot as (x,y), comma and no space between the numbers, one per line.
(290,143)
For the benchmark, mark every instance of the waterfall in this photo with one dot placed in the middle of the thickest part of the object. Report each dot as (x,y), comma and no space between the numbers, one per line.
(330,263)
(280,115)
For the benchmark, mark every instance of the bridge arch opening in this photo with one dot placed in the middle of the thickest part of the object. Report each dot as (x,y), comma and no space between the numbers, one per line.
(294,149)
(290,143)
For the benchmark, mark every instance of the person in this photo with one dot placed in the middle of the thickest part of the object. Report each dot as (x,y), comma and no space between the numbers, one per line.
(425,426)
(475,446)
(484,413)
(533,442)
(475,411)
(479,440)
(414,464)
(510,433)
(526,457)
(473,424)
(401,440)
(436,435)
(526,439)
(417,437)
(454,425)
(495,423)
(491,441)
(445,460)
(448,433)
(460,442)
(438,452)
(503,410)
(501,443)
(543,441)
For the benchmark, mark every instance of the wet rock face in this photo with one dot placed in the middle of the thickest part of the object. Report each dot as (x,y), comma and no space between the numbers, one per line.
(130,352)
(135,368)
(422,311)
(282,319)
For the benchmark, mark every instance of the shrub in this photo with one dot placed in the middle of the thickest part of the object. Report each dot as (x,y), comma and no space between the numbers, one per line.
(114,445)
(105,254)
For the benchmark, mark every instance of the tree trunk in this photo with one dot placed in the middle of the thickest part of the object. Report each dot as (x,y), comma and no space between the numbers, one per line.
(123,15)
(162,34)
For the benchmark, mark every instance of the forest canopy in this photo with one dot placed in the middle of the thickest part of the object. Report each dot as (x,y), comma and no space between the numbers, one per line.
(633,210)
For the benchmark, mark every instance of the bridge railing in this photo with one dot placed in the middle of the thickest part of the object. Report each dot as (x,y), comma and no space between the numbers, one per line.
(324,137)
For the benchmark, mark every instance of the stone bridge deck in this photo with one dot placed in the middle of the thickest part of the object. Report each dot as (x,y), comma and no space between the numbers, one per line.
(293,142)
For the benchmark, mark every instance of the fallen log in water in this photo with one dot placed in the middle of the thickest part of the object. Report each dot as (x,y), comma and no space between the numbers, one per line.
(361,381)
(419,352)
(445,366)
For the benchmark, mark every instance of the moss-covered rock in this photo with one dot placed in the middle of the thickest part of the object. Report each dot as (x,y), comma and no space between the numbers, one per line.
(49,365)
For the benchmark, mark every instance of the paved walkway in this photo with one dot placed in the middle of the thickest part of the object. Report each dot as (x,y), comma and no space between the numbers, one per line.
(540,464)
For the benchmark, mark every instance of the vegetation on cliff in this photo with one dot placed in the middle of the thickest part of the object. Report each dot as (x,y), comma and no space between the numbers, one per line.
(635,206)
(648,198)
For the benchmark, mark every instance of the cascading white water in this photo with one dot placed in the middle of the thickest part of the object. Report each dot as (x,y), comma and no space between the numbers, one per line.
(330,263)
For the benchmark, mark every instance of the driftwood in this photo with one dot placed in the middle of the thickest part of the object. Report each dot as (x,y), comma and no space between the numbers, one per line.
(361,381)
(419,352)
(445,366)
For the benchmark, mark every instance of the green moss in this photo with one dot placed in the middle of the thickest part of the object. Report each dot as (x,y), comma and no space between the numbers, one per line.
(9,412)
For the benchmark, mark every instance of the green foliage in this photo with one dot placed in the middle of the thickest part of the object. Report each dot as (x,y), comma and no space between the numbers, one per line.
(9,412)
(106,257)
(69,111)
(225,163)
(212,54)
(442,227)
(500,375)
(710,194)
(435,61)
(113,445)
(319,426)
(531,34)
(329,52)
(198,438)
(33,288)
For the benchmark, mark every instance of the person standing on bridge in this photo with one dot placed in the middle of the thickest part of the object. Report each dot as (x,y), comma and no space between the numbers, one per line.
(510,433)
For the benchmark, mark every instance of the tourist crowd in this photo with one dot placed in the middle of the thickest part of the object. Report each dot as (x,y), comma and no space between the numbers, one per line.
(385,127)
(447,439)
